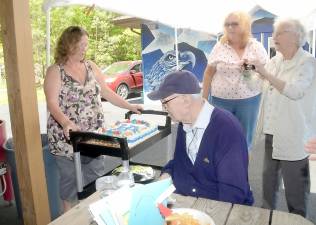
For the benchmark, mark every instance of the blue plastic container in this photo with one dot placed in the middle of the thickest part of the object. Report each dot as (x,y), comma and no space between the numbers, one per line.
(51,172)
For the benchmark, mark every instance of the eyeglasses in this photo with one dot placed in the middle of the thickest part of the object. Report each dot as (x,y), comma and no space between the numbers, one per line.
(165,102)
(232,24)
(278,33)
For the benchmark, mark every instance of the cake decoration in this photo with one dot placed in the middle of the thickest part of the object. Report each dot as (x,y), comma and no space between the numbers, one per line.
(133,130)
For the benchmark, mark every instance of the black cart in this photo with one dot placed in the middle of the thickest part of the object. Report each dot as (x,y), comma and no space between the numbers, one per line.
(94,144)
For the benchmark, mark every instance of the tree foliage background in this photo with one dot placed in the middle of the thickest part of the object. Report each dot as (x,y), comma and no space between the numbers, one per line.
(107,43)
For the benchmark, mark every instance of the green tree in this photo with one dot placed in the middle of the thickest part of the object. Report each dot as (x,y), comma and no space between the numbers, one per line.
(38,24)
(107,43)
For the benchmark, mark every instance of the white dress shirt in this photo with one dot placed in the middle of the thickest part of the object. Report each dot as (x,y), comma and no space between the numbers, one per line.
(195,133)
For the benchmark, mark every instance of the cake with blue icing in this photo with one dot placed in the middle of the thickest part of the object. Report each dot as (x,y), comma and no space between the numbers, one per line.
(133,130)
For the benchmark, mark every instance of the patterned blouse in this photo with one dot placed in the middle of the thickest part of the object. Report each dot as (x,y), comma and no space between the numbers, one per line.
(81,104)
(228,81)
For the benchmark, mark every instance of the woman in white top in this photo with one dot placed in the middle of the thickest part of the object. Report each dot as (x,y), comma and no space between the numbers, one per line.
(288,116)
(224,75)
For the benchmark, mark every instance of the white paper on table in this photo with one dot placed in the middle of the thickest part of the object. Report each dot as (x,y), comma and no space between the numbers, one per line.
(101,208)
(113,207)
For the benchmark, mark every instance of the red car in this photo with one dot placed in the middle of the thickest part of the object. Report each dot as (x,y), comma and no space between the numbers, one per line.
(124,77)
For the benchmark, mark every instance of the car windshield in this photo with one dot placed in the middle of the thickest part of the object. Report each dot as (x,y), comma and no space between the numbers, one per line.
(116,68)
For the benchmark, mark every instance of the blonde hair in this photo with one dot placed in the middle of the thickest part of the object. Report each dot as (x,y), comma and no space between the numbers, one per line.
(244,21)
(67,42)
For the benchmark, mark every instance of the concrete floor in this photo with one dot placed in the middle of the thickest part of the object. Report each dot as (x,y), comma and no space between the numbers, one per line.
(158,155)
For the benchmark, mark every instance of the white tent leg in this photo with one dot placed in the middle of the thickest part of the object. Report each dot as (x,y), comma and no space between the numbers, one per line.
(176,45)
(314,42)
(262,38)
(47,38)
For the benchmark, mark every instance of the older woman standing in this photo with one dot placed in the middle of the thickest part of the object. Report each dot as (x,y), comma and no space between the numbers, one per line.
(288,116)
(73,88)
(224,74)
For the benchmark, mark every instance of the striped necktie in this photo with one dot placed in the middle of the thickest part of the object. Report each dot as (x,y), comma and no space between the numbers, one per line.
(193,145)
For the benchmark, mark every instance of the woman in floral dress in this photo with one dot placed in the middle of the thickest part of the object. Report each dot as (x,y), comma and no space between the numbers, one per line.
(73,87)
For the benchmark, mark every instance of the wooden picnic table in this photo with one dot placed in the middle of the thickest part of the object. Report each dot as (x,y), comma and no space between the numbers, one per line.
(223,213)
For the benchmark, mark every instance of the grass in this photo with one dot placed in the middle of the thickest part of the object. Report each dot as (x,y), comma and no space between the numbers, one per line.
(4,93)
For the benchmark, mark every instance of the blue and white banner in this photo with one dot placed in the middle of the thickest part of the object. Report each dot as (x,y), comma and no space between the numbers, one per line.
(166,49)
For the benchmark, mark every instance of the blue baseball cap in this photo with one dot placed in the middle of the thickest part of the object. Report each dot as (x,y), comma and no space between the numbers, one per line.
(178,82)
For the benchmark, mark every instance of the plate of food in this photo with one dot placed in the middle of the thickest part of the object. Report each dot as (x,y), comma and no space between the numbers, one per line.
(187,216)
(142,174)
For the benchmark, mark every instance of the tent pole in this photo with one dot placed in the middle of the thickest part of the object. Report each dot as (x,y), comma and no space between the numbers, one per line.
(47,38)
(262,38)
(314,43)
(176,45)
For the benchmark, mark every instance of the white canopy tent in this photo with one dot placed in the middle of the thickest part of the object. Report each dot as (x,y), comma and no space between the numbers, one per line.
(197,15)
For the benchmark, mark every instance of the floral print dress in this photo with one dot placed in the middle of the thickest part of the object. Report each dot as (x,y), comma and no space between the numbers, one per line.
(81,104)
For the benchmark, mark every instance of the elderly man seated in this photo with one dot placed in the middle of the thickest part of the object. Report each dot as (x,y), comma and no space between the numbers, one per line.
(211,156)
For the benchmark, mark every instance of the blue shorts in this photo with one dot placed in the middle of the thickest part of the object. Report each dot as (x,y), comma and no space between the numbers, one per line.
(246,110)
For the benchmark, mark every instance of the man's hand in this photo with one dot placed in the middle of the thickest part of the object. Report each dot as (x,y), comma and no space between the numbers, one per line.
(164,176)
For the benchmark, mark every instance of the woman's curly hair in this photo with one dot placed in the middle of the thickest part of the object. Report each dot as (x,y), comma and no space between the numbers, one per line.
(67,43)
